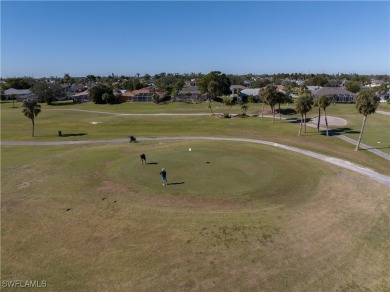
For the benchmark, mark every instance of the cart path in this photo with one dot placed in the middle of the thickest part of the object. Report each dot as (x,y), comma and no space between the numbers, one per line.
(122,114)
(383,113)
(332,121)
(383,179)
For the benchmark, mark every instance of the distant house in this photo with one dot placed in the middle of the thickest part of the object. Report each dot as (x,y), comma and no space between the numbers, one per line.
(13,91)
(385,97)
(336,94)
(313,88)
(251,91)
(140,95)
(81,97)
(255,92)
(21,94)
(190,94)
(236,89)
(375,83)
(81,87)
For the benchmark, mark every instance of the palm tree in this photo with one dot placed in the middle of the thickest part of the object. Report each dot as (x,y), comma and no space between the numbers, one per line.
(366,103)
(304,105)
(323,102)
(212,89)
(281,97)
(316,104)
(270,95)
(31,108)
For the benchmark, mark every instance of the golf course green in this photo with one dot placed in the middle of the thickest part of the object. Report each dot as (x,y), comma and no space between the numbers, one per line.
(234,216)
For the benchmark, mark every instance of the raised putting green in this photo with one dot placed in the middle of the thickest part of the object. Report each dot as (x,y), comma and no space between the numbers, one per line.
(226,170)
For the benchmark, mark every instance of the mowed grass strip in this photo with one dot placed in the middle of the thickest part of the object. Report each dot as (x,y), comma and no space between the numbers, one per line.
(93,218)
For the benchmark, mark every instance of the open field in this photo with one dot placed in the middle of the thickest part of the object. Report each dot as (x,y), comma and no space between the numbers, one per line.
(236,216)
(92,218)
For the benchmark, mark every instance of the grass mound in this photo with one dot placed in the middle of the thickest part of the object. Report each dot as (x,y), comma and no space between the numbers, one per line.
(216,170)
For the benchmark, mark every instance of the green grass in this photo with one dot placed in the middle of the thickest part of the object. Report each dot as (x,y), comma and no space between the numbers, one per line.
(93,218)
(78,126)
(377,126)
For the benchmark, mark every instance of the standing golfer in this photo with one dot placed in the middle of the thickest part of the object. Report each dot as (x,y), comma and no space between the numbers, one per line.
(143,159)
(164,177)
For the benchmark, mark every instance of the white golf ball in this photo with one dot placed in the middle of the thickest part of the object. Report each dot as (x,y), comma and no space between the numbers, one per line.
(189,149)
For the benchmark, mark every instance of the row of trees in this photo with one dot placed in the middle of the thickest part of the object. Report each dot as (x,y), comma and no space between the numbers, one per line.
(256,81)
(367,102)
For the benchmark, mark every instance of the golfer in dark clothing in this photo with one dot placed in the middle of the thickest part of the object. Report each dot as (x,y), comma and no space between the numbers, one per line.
(143,159)
(164,177)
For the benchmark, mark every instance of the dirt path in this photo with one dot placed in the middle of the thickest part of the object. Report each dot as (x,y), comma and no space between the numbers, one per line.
(383,179)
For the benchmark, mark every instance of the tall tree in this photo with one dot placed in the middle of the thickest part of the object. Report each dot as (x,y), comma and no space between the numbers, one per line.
(304,105)
(48,92)
(366,103)
(67,79)
(216,76)
(281,97)
(324,102)
(270,95)
(177,87)
(316,104)
(91,78)
(353,86)
(96,94)
(212,89)
(19,83)
(31,108)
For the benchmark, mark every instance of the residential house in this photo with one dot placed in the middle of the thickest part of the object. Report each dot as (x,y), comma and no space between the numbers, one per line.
(190,94)
(21,94)
(140,95)
(255,92)
(336,94)
(81,97)
(236,89)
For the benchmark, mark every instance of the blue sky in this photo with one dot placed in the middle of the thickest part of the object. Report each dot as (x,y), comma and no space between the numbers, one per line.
(95,37)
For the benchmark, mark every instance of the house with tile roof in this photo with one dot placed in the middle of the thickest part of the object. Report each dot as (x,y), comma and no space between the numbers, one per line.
(336,94)
(140,95)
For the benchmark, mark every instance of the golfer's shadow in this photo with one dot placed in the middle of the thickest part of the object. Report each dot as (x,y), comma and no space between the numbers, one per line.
(152,163)
(176,183)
